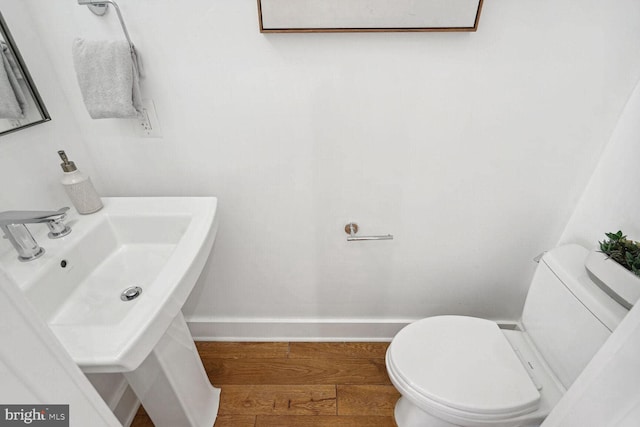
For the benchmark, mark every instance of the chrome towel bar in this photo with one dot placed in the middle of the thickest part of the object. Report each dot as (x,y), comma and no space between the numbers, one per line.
(352,228)
(99,7)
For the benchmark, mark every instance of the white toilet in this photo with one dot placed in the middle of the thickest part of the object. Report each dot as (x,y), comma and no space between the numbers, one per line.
(471,372)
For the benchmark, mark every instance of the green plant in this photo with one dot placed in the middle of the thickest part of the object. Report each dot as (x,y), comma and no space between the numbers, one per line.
(623,251)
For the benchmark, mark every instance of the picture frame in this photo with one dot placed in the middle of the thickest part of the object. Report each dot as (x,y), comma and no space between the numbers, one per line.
(305,16)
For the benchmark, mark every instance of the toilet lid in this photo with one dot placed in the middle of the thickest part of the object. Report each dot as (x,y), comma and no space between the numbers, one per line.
(463,363)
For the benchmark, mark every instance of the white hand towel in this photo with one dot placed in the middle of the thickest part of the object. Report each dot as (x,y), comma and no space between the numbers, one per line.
(110,87)
(12,99)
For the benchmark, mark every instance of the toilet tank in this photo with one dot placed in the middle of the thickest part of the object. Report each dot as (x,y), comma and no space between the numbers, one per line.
(566,315)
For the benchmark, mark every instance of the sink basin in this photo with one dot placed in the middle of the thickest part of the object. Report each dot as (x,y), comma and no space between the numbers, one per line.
(158,244)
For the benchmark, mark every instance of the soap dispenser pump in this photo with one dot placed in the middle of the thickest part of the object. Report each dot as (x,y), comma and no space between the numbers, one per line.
(79,187)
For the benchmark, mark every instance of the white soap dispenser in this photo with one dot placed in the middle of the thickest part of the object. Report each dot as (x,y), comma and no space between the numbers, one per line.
(79,187)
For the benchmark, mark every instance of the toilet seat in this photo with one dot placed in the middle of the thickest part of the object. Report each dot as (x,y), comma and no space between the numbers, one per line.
(461,368)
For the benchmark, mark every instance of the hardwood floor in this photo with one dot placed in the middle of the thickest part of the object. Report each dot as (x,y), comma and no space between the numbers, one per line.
(296,384)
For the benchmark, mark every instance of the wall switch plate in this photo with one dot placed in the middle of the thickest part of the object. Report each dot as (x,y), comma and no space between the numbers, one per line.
(148,126)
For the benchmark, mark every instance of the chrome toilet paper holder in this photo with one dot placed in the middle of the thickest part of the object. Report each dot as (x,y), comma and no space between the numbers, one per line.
(352,228)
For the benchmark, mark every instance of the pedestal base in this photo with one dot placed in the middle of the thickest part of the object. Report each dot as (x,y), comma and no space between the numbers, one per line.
(172,384)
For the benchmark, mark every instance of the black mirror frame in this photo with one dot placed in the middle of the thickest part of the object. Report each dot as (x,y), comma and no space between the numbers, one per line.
(33,91)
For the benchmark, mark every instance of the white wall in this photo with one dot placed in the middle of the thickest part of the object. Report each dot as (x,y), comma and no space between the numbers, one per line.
(610,201)
(469,148)
(29,163)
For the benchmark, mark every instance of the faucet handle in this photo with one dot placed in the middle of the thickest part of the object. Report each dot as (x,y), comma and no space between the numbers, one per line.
(57,227)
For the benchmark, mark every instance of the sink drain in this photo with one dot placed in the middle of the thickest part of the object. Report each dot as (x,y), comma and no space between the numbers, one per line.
(131,293)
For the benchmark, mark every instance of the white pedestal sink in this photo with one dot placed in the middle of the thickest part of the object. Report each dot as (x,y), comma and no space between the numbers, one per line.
(171,382)
(159,244)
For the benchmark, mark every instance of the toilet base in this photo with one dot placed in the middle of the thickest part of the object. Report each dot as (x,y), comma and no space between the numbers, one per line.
(407,414)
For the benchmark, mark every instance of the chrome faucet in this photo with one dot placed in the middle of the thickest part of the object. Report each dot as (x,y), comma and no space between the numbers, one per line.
(13,223)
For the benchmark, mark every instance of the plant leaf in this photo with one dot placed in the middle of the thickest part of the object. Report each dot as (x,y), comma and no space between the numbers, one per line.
(623,251)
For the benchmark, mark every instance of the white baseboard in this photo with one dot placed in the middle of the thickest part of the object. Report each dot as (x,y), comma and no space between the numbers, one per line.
(223,329)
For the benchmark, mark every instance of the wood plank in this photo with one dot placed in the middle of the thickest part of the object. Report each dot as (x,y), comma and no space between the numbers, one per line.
(278,400)
(338,350)
(142,420)
(323,421)
(296,371)
(235,421)
(379,400)
(240,350)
